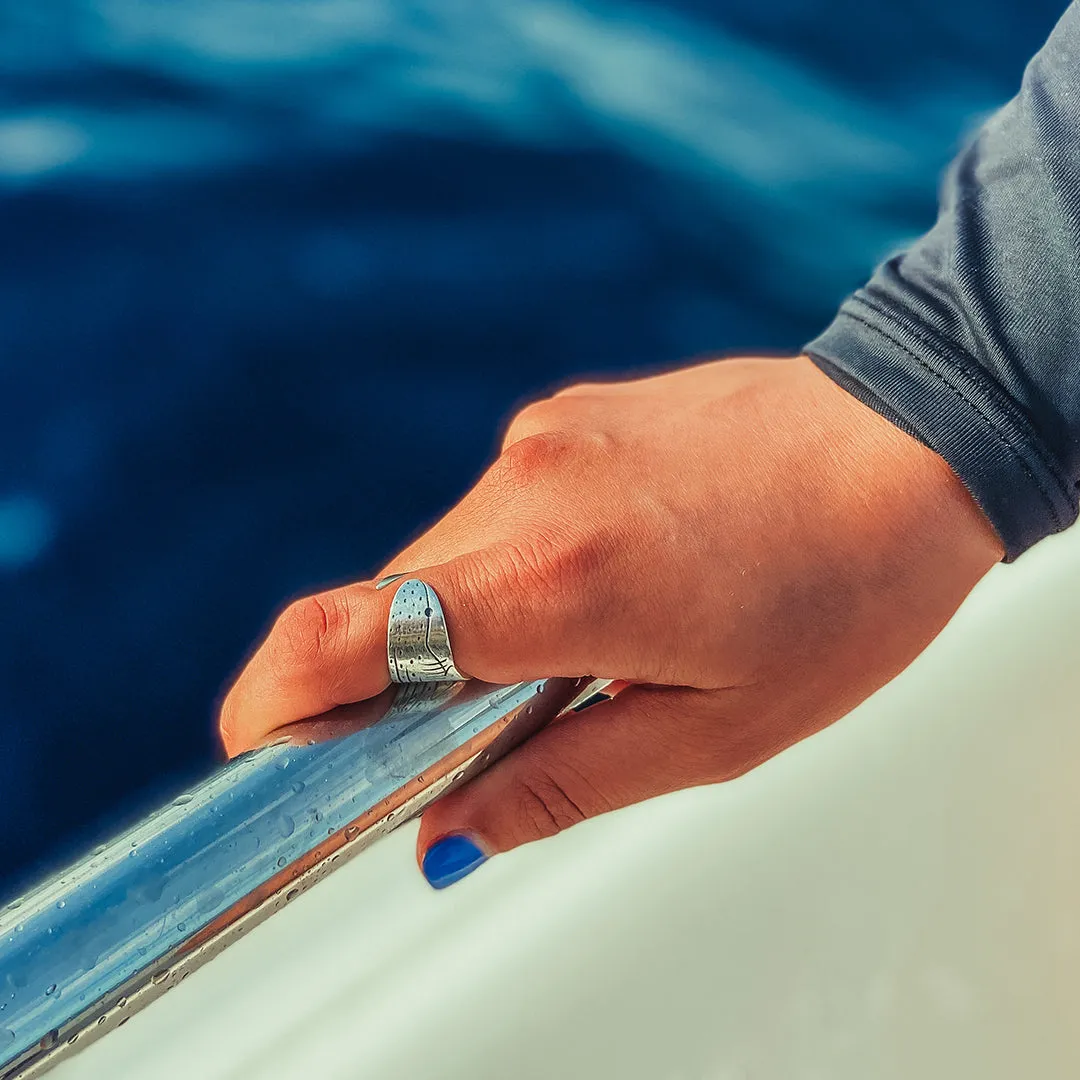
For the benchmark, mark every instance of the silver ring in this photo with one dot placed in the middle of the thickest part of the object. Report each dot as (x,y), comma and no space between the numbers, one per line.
(417,642)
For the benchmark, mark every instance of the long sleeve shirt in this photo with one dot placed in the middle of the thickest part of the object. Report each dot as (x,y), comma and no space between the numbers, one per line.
(970,339)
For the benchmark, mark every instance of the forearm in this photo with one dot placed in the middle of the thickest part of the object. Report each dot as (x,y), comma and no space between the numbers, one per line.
(970,340)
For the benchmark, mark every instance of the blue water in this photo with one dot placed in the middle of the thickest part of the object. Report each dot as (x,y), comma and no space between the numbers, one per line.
(248,243)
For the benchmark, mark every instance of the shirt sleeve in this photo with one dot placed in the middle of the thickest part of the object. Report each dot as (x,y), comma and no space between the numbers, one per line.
(970,340)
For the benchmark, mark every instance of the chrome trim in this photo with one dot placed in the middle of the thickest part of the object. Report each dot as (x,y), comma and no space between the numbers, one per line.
(88,947)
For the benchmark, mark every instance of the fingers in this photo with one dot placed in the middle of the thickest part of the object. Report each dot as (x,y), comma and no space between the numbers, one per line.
(509,614)
(645,742)
(520,574)
(521,578)
(322,651)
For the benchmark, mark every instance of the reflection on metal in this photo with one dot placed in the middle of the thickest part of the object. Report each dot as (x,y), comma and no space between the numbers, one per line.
(103,938)
(417,641)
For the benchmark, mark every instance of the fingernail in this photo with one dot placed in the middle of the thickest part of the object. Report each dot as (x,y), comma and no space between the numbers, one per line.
(450,859)
(389,579)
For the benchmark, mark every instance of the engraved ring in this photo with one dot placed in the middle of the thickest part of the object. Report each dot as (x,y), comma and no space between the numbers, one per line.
(417,641)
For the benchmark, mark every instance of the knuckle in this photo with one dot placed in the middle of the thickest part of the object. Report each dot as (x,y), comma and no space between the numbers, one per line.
(548,572)
(545,807)
(555,794)
(525,564)
(568,563)
(495,587)
(536,418)
(521,612)
(533,458)
(308,632)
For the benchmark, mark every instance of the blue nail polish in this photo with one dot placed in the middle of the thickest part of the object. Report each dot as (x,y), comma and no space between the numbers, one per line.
(450,859)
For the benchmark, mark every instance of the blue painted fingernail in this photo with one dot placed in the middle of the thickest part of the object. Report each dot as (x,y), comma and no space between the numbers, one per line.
(450,859)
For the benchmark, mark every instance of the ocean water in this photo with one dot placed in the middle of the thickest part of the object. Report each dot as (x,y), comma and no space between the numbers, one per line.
(274,272)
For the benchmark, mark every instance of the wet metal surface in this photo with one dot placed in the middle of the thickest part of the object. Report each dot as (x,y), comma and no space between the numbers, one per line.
(83,950)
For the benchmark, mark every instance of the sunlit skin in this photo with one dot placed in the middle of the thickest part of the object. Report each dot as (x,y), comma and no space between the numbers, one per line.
(750,547)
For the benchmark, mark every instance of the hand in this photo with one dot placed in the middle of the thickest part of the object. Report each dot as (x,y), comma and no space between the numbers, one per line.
(743,541)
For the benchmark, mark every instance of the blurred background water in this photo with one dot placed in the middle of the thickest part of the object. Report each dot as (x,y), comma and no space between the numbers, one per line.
(248,246)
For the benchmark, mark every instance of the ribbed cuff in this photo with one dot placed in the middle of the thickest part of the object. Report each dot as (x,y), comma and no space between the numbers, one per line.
(902,370)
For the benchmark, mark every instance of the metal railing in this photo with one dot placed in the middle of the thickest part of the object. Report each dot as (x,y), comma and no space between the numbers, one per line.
(82,951)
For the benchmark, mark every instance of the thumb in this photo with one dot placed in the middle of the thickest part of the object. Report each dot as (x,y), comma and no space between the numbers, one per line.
(646,741)
(509,618)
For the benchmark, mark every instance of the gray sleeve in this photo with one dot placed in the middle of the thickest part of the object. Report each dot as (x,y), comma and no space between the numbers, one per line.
(970,340)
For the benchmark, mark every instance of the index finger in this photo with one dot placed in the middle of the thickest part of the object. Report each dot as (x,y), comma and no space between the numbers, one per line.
(322,651)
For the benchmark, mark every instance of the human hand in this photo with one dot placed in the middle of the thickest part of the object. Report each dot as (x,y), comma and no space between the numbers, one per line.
(746,544)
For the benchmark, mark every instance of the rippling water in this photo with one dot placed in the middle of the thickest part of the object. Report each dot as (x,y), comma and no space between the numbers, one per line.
(252,246)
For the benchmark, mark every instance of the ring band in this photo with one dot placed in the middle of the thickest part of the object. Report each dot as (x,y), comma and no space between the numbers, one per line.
(417,641)
(388,580)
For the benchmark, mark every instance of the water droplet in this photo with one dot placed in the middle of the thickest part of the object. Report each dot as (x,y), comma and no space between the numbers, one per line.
(286,825)
(281,764)
(99,849)
(318,815)
(50,989)
(282,861)
(351,832)
(121,1003)
(159,978)
(6,1036)
(298,786)
(73,1038)
(101,1019)
(181,927)
(311,742)
(15,904)
(182,800)
(61,904)
(292,894)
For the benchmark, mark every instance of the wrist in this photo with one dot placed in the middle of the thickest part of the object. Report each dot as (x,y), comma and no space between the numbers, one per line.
(912,489)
